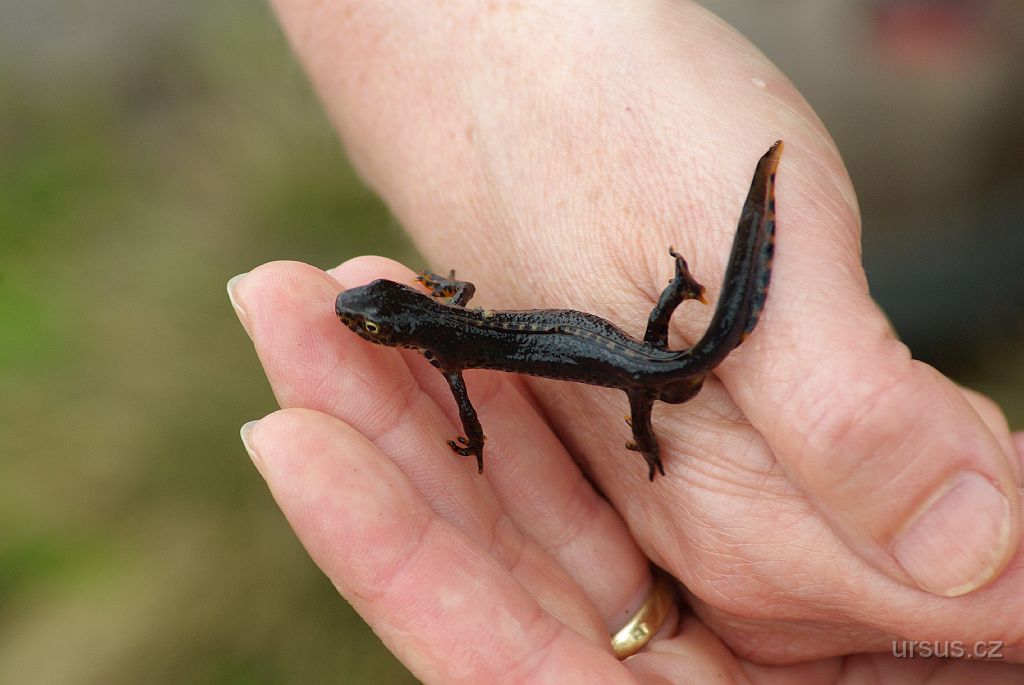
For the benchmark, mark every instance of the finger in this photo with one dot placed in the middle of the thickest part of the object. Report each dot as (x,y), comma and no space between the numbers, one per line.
(534,479)
(442,604)
(693,655)
(696,655)
(313,361)
(891,453)
(995,419)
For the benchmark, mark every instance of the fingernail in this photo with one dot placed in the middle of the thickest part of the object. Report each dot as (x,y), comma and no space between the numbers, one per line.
(246,434)
(959,539)
(243,316)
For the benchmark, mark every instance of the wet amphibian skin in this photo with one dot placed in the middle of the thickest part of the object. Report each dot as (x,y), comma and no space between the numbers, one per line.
(575,346)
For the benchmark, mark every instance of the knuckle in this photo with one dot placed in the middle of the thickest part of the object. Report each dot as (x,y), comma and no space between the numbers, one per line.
(858,430)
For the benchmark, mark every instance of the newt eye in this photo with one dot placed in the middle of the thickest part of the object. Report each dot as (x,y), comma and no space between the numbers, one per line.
(371,327)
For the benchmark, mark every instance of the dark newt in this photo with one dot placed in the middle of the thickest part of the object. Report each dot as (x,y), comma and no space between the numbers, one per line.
(575,346)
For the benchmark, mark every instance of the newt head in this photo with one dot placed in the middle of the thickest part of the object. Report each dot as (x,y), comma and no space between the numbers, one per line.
(382,312)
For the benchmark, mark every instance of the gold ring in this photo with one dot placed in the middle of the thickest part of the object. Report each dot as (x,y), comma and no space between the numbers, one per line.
(647,620)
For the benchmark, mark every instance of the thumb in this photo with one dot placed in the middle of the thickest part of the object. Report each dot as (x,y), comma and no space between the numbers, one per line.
(890,451)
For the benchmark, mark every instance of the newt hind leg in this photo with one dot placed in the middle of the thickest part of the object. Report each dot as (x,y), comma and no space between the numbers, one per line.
(460,292)
(644,441)
(682,391)
(682,287)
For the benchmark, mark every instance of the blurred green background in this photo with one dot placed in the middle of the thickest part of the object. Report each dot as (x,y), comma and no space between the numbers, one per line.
(148,152)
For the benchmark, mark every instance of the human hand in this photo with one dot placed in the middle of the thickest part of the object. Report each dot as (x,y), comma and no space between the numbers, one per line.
(551,155)
(518,576)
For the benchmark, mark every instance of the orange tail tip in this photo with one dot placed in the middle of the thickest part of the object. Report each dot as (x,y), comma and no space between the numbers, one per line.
(771,158)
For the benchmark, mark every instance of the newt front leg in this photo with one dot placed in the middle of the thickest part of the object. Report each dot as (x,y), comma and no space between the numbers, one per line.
(473,443)
(459,293)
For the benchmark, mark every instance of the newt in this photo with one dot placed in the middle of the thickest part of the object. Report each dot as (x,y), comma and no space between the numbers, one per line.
(576,346)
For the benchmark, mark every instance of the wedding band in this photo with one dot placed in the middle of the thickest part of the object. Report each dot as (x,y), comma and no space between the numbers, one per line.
(647,620)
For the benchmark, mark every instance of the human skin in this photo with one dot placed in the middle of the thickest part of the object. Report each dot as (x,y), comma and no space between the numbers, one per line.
(552,155)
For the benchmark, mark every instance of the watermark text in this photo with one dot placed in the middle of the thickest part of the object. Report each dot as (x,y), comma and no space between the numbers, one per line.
(947,649)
